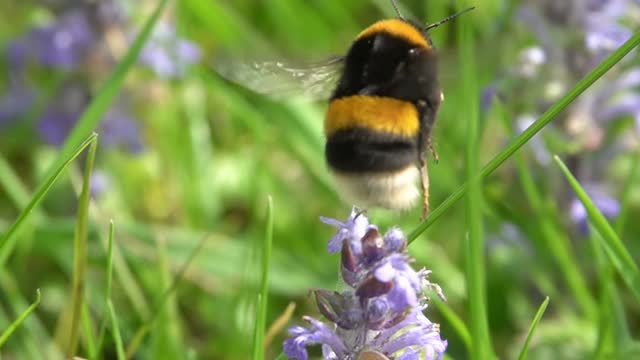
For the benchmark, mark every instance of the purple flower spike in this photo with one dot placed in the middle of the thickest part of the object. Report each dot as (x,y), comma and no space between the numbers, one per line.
(380,316)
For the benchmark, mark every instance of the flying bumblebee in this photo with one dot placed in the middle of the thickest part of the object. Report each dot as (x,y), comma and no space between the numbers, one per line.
(381,111)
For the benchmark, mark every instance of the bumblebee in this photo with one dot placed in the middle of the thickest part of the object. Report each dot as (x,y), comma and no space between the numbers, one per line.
(381,112)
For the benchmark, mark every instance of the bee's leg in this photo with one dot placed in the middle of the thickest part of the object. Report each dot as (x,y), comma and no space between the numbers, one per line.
(427,119)
(436,158)
(424,179)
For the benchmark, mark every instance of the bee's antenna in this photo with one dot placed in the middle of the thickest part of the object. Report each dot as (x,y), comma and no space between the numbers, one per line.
(431,26)
(397,9)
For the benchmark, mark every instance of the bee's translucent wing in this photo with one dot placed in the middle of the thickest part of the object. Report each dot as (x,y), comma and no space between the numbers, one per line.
(280,80)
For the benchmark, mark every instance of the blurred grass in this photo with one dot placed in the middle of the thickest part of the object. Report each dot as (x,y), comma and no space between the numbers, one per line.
(475,267)
(7,243)
(532,328)
(80,260)
(263,294)
(214,150)
(617,253)
(13,326)
(107,295)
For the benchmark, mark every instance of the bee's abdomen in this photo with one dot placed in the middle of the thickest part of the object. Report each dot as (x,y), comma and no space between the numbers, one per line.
(371,134)
(361,150)
(378,114)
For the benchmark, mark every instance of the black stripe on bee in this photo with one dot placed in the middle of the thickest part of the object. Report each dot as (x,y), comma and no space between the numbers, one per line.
(361,150)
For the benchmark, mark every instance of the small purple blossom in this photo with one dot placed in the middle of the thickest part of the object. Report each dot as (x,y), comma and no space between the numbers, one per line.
(381,314)
(608,206)
(99,183)
(63,44)
(15,103)
(352,230)
(62,113)
(167,54)
(117,127)
(317,333)
(487,96)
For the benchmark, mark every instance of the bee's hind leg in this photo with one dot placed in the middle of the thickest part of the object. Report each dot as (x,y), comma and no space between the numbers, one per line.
(436,158)
(424,179)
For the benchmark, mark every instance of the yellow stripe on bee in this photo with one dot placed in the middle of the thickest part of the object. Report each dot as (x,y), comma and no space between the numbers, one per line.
(380,114)
(398,28)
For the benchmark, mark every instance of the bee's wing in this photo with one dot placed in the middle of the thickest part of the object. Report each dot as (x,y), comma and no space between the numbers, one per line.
(280,80)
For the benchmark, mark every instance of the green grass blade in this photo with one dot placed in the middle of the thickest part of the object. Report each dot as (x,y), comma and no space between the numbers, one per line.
(129,284)
(14,188)
(538,125)
(632,179)
(8,242)
(261,307)
(552,238)
(116,331)
(147,326)
(456,323)
(619,256)
(36,330)
(80,249)
(87,330)
(475,272)
(5,335)
(532,328)
(107,292)
(29,347)
(91,116)
(607,287)
(166,338)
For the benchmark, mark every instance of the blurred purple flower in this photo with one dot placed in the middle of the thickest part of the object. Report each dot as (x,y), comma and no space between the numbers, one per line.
(15,103)
(605,38)
(99,183)
(488,94)
(116,128)
(62,113)
(167,54)
(63,44)
(608,206)
(381,312)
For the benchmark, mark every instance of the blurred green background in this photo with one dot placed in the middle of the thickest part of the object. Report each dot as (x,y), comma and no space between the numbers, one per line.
(185,154)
